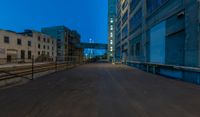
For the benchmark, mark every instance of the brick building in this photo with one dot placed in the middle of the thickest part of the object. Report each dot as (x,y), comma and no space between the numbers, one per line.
(21,47)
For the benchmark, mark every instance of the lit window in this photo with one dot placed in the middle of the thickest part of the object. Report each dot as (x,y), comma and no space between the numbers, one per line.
(111,20)
(111,42)
(111,34)
(111,27)
(111,49)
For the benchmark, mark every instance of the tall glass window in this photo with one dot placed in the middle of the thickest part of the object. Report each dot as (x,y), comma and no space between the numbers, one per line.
(136,21)
(152,5)
(133,4)
(124,32)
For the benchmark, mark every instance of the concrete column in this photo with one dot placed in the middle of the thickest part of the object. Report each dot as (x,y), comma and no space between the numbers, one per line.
(191,30)
(144,33)
(128,24)
(120,2)
(199,29)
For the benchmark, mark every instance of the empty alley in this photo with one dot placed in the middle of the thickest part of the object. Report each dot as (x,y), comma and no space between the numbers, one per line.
(101,90)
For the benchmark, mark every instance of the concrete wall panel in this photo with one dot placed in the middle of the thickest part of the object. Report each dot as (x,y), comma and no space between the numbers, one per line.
(157,43)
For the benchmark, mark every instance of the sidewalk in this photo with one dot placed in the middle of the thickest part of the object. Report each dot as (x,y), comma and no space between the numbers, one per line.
(20,65)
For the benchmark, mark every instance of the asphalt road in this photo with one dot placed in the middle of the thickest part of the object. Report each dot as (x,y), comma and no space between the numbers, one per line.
(101,90)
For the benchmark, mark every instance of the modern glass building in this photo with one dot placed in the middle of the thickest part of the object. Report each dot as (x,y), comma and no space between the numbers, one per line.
(66,41)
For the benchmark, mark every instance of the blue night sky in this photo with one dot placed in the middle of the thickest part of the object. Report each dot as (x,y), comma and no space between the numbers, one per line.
(88,17)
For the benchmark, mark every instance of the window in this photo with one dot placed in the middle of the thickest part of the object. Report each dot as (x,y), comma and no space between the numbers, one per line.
(111,27)
(118,26)
(111,34)
(133,5)
(29,54)
(152,5)
(39,38)
(118,36)
(132,50)
(124,32)
(39,46)
(124,46)
(111,48)
(38,52)
(136,21)
(135,45)
(111,42)
(58,37)
(6,39)
(44,39)
(44,47)
(29,43)
(48,47)
(19,42)
(48,40)
(111,20)
(22,54)
(137,51)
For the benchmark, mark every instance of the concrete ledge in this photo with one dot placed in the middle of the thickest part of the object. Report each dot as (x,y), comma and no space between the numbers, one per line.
(188,74)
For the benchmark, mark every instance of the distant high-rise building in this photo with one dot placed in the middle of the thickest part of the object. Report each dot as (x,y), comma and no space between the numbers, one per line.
(111,28)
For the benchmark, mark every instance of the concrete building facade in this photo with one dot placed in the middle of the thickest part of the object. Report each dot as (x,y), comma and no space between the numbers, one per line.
(111,28)
(45,46)
(21,47)
(158,31)
(66,41)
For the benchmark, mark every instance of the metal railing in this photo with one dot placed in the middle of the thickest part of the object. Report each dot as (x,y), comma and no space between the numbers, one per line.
(30,68)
